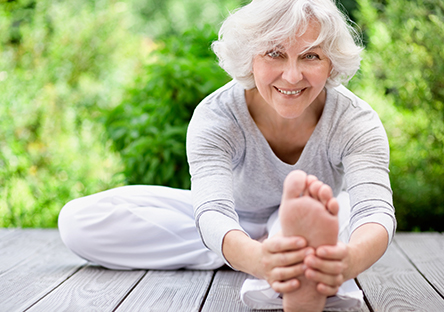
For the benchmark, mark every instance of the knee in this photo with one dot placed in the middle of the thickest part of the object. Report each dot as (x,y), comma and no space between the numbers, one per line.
(70,229)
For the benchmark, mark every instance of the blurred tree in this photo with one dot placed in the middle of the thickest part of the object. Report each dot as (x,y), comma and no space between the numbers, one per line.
(403,71)
(61,62)
(149,126)
(160,18)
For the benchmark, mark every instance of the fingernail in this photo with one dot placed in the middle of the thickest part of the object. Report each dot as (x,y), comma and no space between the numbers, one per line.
(309,252)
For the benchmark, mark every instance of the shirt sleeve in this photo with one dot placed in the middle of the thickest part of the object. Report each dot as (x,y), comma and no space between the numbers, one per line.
(213,141)
(365,160)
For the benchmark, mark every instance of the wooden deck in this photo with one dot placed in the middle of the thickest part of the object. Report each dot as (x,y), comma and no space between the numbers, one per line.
(38,273)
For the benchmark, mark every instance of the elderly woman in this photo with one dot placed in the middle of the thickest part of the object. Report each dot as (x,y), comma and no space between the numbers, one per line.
(258,149)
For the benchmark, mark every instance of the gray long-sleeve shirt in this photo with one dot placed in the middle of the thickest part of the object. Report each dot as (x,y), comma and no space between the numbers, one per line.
(237,177)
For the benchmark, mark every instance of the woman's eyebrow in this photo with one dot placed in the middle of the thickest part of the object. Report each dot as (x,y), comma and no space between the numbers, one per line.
(279,47)
(311,48)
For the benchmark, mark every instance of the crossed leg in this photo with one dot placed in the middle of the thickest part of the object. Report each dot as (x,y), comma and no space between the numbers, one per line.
(308,209)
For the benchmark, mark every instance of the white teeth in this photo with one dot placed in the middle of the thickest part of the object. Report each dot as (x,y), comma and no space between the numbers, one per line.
(289,92)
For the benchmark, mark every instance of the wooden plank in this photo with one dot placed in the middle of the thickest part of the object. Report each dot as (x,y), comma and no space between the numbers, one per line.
(393,284)
(224,293)
(426,251)
(182,290)
(92,288)
(30,280)
(17,246)
(5,232)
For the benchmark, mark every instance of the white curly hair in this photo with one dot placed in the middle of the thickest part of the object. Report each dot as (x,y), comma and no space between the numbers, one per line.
(261,25)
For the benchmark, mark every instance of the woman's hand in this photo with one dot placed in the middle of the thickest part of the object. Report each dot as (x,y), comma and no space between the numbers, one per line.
(282,262)
(333,265)
(329,267)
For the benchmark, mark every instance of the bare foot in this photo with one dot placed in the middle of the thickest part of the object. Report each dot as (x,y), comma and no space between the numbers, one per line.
(308,209)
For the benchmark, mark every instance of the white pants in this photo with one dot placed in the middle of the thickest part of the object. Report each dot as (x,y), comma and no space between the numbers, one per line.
(146,227)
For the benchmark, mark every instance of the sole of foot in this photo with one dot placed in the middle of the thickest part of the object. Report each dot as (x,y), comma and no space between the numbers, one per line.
(308,209)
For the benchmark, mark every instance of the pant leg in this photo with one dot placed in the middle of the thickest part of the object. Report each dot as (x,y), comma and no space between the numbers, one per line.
(344,216)
(136,227)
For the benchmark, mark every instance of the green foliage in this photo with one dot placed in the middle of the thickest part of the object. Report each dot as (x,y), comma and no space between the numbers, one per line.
(160,18)
(74,74)
(403,74)
(149,126)
(61,63)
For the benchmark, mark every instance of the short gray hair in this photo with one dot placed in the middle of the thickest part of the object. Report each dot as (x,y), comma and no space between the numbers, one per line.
(259,26)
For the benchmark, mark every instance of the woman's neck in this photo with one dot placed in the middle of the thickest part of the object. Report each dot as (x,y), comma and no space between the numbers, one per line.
(286,137)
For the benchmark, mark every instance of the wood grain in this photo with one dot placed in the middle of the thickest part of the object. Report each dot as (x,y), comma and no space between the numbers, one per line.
(90,289)
(393,284)
(37,272)
(33,278)
(18,246)
(181,290)
(426,252)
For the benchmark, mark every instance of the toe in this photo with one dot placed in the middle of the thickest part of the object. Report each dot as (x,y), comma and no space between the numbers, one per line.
(294,184)
(325,193)
(314,189)
(333,206)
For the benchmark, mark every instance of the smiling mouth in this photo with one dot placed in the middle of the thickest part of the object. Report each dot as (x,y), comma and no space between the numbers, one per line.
(289,92)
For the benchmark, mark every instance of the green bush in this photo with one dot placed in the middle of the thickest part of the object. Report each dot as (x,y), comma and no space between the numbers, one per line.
(160,18)
(61,63)
(403,77)
(70,79)
(149,127)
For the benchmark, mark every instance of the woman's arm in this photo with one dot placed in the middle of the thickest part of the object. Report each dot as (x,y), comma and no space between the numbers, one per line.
(367,244)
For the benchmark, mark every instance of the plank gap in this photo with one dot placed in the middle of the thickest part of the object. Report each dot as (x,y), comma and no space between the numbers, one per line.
(57,286)
(208,290)
(417,269)
(130,291)
(366,301)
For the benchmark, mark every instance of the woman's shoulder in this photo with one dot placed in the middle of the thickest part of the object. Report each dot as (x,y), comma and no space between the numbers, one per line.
(223,107)
(350,100)
(218,118)
(346,108)
(352,123)
(225,101)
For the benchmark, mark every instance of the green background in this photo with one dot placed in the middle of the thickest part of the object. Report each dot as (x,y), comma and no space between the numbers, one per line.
(98,93)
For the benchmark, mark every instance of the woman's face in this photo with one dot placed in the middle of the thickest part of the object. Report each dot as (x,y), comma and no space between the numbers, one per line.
(289,78)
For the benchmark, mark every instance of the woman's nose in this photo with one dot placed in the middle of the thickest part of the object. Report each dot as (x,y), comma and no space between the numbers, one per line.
(292,73)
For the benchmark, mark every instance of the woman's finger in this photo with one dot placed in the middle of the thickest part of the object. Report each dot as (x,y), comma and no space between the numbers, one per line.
(282,244)
(289,258)
(326,279)
(286,273)
(285,287)
(332,267)
(327,290)
(337,252)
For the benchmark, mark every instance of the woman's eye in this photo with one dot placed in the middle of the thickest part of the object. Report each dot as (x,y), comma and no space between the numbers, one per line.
(274,54)
(312,56)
